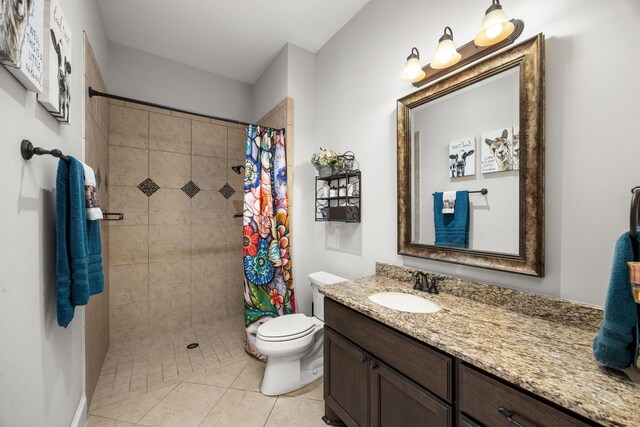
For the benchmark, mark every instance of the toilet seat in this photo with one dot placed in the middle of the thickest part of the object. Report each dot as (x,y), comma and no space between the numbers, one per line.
(286,328)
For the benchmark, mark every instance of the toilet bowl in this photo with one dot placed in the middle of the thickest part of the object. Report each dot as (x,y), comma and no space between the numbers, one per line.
(293,344)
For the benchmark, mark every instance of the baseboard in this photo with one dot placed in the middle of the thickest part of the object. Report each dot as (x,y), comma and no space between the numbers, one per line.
(80,418)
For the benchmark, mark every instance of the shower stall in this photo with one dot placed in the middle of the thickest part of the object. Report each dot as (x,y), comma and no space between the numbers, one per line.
(175,275)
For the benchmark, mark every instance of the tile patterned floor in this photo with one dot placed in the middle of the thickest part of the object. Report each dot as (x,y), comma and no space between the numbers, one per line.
(159,382)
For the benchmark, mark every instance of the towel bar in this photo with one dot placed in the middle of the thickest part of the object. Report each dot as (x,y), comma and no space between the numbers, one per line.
(119,216)
(28,151)
(484,191)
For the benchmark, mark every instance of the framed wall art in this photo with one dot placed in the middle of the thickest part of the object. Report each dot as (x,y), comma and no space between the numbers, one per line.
(56,94)
(21,40)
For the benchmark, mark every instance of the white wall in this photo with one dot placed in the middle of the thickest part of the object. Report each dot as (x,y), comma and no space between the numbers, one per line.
(141,75)
(41,364)
(492,104)
(271,86)
(301,87)
(591,132)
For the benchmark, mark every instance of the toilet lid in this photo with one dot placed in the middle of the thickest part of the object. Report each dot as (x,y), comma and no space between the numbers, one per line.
(287,327)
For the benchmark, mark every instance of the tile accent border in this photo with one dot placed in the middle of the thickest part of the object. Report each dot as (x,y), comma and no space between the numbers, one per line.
(148,187)
(190,189)
(227,191)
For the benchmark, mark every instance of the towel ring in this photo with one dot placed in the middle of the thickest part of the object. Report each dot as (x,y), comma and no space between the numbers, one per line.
(634,215)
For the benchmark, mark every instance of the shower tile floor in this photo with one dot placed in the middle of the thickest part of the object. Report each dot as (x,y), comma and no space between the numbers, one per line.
(159,382)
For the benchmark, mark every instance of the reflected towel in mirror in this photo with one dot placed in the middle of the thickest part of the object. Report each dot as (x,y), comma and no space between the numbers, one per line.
(448,202)
(452,229)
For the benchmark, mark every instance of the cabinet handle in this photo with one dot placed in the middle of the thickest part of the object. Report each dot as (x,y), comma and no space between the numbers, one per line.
(363,359)
(509,416)
(373,365)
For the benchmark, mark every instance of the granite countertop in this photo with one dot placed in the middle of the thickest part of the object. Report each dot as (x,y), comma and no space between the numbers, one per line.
(546,357)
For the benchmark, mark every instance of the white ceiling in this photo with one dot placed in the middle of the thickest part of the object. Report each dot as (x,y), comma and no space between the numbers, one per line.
(233,38)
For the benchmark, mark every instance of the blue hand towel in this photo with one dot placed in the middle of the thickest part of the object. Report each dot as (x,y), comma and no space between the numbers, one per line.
(616,346)
(94,258)
(78,247)
(77,243)
(452,229)
(63,274)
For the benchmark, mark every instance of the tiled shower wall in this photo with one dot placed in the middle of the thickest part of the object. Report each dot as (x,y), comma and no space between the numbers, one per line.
(176,259)
(97,156)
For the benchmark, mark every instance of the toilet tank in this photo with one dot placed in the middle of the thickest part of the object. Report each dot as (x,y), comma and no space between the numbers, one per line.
(318,279)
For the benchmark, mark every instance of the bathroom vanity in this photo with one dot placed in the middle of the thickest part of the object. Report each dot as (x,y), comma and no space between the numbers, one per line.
(472,363)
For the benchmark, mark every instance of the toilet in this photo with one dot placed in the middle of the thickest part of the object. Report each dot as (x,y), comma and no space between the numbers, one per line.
(293,344)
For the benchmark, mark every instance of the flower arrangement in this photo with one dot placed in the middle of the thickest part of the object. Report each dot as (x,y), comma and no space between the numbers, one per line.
(324,158)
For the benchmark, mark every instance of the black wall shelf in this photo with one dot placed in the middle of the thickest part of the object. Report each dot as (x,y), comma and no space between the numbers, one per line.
(345,208)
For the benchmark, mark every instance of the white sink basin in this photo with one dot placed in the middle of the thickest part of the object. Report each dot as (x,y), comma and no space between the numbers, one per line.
(404,302)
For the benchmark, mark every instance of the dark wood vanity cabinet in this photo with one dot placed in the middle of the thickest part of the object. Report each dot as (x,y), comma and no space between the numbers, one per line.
(377,377)
(364,391)
(389,384)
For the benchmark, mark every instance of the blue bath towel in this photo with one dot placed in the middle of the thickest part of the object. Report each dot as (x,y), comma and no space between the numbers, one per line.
(616,346)
(78,247)
(452,229)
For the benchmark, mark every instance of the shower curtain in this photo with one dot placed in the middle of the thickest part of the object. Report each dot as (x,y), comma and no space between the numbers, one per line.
(268,283)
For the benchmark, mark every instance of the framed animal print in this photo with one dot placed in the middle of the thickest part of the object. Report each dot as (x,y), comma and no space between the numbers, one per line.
(462,159)
(56,94)
(21,40)
(515,148)
(498,152)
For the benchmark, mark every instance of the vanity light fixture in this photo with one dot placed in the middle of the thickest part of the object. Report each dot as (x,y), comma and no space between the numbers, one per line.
(412,71)
(446,52)
(496,33)
(495,26)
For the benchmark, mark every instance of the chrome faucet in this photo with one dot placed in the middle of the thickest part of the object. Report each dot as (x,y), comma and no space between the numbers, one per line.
(423,284)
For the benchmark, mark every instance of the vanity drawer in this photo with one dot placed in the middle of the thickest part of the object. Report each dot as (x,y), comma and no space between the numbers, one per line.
(425,366)
(481,397)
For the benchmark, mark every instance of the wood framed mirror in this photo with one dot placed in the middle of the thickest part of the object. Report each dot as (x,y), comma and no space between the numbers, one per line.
(488,121)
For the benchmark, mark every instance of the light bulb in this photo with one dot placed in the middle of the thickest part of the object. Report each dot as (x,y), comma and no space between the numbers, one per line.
(444,57)
(495,26)
(446,53)
(493,31)
(412,71)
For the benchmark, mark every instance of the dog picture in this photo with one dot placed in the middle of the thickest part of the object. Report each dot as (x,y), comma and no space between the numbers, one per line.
(497,152)
(461,158)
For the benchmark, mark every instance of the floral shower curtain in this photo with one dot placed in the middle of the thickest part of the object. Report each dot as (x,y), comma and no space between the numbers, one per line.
(268,282)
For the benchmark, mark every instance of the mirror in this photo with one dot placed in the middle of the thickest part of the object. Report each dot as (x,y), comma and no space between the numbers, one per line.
(475,132)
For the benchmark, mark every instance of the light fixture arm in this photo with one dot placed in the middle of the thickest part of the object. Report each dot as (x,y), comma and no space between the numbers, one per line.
(446,36)
(414,53)
(495,4)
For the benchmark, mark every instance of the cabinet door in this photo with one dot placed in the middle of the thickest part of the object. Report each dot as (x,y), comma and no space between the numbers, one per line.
(398,401)
(346,389)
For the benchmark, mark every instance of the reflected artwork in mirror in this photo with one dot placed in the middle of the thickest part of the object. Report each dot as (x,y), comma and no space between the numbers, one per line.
(480,128)
(453,137)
